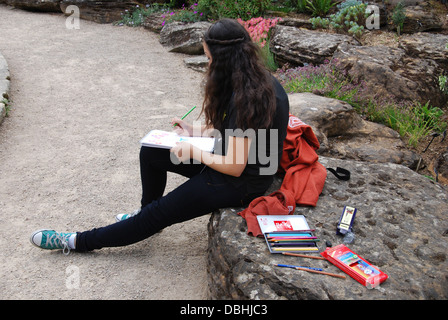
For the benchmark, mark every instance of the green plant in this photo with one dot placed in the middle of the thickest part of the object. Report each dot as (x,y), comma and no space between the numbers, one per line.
(259,30)
(283,6)
(349,18)
(413,122)
(244,9)
(7,104)
(398,16)
(355,30)
(298,5)
(301,6)
(328,79)
(269,58)
(443,84)
(351,15)
(320,23)
(430,116)
(186,14)
(348,4)
(136,16)
(319,7)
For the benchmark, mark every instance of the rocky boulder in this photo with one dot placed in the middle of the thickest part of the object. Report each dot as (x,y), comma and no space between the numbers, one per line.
(343,134)
(440,167)
(408,72)
(425,45)
(300,46)
(4,86)
(422,18)
(184,37)
(154,22)
(395,72)
(296,22)
(401,227)
(421,15)
(35,5)
(197,63)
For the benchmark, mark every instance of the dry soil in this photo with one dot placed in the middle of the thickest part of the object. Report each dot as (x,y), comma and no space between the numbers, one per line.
(81,101)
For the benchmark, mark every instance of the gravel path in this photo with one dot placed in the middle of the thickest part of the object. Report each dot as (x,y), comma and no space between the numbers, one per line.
(81,101)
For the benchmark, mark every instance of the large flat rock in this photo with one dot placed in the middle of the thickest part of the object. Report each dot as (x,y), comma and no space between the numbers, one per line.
(401,227)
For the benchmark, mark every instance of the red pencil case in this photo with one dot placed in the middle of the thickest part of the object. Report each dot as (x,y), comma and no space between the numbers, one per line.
(355,266)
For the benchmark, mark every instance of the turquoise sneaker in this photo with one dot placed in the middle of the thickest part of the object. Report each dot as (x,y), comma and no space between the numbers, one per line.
(124,216)
(50,239)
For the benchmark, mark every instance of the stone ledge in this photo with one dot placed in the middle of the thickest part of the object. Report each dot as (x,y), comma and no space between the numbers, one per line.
(401,227)
(4,85)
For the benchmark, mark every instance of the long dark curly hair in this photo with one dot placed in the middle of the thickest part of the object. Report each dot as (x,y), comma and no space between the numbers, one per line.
(236,71)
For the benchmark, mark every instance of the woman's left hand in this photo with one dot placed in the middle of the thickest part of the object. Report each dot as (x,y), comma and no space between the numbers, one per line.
(183,151)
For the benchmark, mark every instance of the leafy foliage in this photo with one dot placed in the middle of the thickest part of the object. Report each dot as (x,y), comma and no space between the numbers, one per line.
(244,9)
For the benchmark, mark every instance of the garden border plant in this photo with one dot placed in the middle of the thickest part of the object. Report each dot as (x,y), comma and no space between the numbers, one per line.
(259,30)
(350,18)
(243,9)
(412,120)
(136,16)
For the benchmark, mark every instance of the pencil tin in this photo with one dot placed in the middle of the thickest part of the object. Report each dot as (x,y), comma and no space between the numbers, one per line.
(346,220)
(287,233)
(355,266)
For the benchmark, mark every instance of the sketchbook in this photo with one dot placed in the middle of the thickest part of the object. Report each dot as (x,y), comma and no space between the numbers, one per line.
(167,140)
(287,233)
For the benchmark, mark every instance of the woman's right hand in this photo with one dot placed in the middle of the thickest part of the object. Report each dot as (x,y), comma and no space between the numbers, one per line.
(181,127)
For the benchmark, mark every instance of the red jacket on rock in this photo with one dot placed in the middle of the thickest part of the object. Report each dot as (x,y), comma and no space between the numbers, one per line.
(304,177)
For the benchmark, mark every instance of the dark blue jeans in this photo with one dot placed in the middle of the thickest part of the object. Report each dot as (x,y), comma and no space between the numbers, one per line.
(206,190)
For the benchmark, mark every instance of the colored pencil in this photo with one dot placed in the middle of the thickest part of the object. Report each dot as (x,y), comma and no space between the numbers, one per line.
(294,240)
(292,237)
(295,234)
(296,249)
(289,244)
(294,267)
(322,272)
(302,255)
(292,231)
(183,117)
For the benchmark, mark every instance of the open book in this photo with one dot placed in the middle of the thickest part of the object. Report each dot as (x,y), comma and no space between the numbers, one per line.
(167,140)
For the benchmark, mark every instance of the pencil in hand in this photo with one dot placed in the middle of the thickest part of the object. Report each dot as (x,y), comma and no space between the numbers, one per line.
(183,117)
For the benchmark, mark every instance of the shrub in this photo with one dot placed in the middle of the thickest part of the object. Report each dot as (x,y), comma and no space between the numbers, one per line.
(412,121)
(350,18)
(301,5)
(136,16)
(327,79)
(244,9)
(443,84)
(319,7)
(186,14)
(320,23)
(398,16)
(259,30)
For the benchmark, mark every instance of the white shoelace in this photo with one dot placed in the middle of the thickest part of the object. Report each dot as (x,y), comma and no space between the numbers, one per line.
(51,241)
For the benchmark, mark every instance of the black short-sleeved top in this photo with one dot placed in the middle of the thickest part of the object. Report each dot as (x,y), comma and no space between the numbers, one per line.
(266,147)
